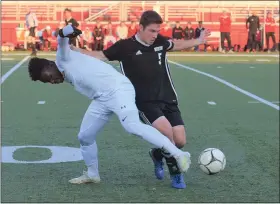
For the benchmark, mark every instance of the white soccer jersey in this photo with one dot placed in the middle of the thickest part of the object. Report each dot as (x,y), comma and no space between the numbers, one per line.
(90,76)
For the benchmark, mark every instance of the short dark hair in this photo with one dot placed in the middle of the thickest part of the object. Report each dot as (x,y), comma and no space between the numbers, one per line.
(35,67)
(150,17)
(68,9)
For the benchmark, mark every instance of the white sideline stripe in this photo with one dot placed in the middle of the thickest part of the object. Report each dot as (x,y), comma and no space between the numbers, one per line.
(219,67)
(5,76)
(240,60)
(230,85)
(252,67)
(168,54)
(211,103)
(277,102)
(262,60)
(220,55)
(7,58)
(41,102)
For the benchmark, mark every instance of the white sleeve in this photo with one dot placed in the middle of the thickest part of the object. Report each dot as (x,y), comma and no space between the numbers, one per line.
(63,43)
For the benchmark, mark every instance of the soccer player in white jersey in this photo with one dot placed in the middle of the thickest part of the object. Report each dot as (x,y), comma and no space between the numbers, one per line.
(110,91)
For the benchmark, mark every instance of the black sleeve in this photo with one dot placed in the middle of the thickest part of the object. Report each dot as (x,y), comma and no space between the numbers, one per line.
(75,23)
(167,43)
(116,51)
(258,23)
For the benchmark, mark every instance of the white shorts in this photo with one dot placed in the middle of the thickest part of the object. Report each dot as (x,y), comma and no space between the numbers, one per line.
(100,110)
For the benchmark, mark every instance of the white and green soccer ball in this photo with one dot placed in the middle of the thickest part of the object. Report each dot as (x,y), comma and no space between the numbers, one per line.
(212,161)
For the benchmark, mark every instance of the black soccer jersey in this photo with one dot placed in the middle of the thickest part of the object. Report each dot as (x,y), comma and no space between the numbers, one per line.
(146,66)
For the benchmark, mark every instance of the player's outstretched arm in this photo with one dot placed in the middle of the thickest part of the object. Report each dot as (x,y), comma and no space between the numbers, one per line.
(184,44)
(63,40)
(95,54)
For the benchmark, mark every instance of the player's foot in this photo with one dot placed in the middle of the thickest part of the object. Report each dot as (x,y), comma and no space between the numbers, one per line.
(178,181)
(85,179)
(159,171)
(33,54)
(230,51)
(183,161)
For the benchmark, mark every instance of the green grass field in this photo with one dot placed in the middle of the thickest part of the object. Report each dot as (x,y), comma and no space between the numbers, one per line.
(246,130)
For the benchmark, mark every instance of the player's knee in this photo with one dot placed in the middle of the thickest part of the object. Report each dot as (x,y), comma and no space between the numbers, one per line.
(85,139)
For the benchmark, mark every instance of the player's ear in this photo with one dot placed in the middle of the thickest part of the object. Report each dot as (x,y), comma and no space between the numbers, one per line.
(141,28)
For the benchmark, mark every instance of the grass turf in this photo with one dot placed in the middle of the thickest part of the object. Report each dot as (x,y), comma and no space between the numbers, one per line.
(248,134)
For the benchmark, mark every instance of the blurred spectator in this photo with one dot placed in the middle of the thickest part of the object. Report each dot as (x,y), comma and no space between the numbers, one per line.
(253,27)
(121,31)
(109,36)
(47,37)
(178,32)
(87,39)
(270,31)
(166,30)
(69,20)
(98,35)
(259,46)
(132,30)
(197,34)
(189,32)
(61,25)
(225,28)
(31,24)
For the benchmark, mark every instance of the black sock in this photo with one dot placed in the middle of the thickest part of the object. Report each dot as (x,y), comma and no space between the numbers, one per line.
(157,153)
(171,163)
(33,47)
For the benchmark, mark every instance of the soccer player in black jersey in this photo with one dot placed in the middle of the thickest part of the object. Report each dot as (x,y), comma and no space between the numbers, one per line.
(143,60)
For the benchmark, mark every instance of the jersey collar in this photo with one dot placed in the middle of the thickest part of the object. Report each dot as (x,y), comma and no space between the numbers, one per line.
(140,41)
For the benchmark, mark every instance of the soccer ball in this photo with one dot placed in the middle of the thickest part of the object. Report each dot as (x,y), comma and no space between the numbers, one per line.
(212,161)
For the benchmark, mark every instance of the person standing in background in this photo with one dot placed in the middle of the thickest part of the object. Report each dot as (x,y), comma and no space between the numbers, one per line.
(98,36)
(270,31)
(132,29)
(189,32)
(178,32)
(253,27)
(122,31)
(31,24)
(69,20)
(225,28)
(197,35)
(166,31)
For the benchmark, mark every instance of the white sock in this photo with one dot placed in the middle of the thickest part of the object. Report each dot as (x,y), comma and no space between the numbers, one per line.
(90,156)
(133,125)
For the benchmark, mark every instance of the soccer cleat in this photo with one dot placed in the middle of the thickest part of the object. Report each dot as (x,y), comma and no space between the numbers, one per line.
(178,181)
(85,179)
(183,161)
(159,171)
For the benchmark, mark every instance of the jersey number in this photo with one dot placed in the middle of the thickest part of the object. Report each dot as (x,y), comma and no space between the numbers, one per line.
(159,58)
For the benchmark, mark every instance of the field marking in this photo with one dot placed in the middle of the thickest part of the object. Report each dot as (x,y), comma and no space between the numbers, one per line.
(252,67)
(5,76)
(211,103)
(240,61)
(220,55)
(262,60)
(219,67)
(41,102)
(275,102)
(168,54)
(7,59)
(229,85)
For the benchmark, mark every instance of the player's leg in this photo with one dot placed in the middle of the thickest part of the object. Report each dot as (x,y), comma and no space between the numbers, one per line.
(32,40)
(223,41)
(94,120)
(267,41)
(124,106)
(273,40)
(173,115)
(228,38)
(152,114)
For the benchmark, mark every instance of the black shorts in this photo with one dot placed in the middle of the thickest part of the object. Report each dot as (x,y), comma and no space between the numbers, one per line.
(150,111)
(32,31)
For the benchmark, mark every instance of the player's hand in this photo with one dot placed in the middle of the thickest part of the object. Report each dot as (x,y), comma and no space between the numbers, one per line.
(74,34)
(203,36)
(72,47)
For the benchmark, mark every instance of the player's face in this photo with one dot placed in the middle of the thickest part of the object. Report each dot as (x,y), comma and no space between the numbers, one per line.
(269,15)
(67,14)
(150,33)
(51,74)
